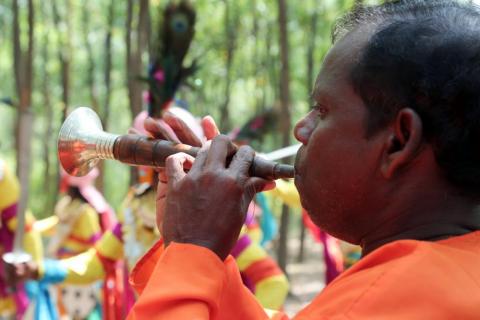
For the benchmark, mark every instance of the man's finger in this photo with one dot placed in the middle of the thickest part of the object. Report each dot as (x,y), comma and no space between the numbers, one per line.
(200,159)
(162,175)
(174,167)
(241,162)
(159,129)
(210,128)
(161,190)
(182,130)
(220,149)
(134,131)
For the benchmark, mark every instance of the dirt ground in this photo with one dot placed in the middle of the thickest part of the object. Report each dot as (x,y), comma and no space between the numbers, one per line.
(306,278)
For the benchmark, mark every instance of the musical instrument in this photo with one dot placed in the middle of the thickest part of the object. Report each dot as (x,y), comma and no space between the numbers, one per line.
(82,143)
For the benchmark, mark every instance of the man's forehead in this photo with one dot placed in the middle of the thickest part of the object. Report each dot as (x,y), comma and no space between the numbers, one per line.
(341,58)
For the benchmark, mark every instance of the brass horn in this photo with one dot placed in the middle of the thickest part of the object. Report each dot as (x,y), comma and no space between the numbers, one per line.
(82,143)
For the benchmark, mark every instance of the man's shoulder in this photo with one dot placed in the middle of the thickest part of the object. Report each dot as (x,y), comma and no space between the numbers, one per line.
(408,278)
(420,261)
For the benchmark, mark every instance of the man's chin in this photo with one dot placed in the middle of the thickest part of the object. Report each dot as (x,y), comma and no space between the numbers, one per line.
(305,204)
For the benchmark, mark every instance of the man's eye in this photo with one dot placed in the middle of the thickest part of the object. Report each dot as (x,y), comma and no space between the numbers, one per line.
(322,110)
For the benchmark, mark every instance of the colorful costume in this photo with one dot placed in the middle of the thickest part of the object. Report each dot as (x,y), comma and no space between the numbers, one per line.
(268,223)
(136,235)
(260,273)
(260,224)
(432,280)
(76,227)
(14,303)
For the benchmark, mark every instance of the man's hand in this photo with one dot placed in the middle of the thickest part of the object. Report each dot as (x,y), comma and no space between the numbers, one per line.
(207,205)
(172,128)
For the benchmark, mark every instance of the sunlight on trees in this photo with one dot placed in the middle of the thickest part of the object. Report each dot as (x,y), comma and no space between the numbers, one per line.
(80,58)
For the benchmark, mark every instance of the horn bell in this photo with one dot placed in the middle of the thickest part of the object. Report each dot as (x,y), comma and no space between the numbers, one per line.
(81,141)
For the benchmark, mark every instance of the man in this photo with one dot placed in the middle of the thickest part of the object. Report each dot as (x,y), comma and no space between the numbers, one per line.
(390,160)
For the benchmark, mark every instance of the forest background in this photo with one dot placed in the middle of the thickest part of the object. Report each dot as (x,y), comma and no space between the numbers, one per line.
(56,55)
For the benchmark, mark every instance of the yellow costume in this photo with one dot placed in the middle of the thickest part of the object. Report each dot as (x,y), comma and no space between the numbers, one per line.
(15,303)
(74,229)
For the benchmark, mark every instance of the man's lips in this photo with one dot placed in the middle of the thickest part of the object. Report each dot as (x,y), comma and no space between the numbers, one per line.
(298,167)
(298,158)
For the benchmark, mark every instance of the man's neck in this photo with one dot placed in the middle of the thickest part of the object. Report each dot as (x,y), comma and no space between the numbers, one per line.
(432,218)
(431,232)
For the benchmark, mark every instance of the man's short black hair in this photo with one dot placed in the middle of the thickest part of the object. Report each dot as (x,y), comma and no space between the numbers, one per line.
(424,55)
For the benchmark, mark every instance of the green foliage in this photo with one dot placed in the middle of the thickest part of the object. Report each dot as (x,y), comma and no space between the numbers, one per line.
(254,73)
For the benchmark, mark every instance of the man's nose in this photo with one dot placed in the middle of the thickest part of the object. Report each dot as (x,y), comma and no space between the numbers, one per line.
(303,130)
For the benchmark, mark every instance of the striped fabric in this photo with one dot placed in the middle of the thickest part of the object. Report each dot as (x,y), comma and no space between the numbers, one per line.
(262,269)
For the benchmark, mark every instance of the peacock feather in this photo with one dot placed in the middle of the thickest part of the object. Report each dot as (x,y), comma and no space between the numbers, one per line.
(166,72)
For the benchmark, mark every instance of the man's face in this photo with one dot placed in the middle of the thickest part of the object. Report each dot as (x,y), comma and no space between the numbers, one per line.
(336,168)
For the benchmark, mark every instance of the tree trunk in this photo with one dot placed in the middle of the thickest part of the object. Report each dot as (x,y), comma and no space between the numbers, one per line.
(90,83)
(134,53)
(64,52)
(50,175)
(135,50)
(23,69)
(270,62)
(105,113)
(108,66)
(149,47)
(90,76)
(285,123)
(231,29)
(309,86)
(301,249)
(257,63)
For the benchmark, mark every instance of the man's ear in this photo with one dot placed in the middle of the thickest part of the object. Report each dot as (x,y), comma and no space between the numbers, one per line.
(403,143)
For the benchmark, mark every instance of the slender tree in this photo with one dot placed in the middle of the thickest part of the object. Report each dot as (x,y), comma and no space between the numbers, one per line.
(49,163)
(270,61)
(137,43)
(90,74)
(91,84)
(231,31)
(64,50)
(104,112)
(285,124)
(107,72)
(23,69)
(258,62)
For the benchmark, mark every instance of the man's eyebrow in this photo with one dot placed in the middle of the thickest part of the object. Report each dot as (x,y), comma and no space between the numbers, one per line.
(318,94)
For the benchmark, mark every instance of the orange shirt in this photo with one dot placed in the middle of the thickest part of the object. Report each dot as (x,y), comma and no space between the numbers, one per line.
(404,279)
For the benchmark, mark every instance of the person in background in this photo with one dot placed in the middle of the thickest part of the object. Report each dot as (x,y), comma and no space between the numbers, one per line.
(81,216)
(14,299)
